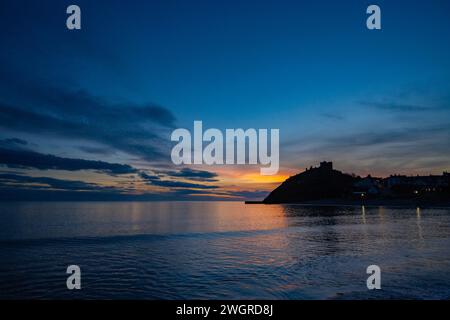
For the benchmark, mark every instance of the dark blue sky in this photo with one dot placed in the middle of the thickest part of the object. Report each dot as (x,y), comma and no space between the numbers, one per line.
(372,101)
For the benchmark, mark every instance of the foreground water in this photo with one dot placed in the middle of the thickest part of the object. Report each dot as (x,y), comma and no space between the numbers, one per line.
(222,250)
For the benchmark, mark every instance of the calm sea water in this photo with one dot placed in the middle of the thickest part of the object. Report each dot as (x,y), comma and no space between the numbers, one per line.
(222,250)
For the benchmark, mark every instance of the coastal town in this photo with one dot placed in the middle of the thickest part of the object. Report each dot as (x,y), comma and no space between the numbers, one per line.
(325,183)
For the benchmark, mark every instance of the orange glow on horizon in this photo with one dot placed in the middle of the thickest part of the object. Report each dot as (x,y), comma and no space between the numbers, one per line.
(257,178)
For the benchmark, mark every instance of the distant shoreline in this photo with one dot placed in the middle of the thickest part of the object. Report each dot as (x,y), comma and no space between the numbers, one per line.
(367,203)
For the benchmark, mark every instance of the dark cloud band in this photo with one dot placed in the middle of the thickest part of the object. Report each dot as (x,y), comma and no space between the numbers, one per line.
(31,159)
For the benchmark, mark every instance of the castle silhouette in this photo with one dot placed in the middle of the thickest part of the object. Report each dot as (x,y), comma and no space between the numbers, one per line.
(326,183)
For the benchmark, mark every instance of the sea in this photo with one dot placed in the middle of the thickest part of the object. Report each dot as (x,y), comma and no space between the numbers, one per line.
(222,250)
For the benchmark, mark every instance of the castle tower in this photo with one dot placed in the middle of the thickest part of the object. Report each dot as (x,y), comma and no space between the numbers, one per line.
(326,165)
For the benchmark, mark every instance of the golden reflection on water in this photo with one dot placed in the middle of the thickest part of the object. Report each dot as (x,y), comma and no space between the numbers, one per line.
(381,212)
(419,223)
(363,213)
(233,230)
(172,217)
(382,222)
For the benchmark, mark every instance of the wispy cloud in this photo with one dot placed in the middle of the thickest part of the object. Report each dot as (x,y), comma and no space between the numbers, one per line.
(30,159)
(69,113)
(191,174)
(16,180)
(400,107)
(12,142)
(157,181)
(332,116)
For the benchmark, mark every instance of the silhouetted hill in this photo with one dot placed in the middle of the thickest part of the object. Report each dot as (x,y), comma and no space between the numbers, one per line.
(314,184)
(326,185)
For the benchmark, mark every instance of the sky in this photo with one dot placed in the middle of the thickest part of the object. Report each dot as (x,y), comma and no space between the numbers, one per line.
(87,114)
